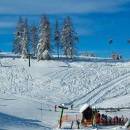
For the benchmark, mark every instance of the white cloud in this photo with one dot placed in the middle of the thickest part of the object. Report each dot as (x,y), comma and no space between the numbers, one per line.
(60,6)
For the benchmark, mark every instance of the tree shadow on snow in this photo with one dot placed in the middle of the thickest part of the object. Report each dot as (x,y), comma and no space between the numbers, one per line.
(9,120)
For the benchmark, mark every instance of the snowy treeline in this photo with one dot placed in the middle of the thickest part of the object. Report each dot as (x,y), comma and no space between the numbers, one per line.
(37,39)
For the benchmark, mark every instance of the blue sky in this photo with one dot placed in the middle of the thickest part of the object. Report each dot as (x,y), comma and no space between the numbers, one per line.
(96,21)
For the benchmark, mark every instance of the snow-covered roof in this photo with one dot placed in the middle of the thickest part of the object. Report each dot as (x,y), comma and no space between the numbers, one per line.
(84,107)
(127,123)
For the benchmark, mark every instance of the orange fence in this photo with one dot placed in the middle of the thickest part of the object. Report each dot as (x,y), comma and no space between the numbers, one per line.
(70,118)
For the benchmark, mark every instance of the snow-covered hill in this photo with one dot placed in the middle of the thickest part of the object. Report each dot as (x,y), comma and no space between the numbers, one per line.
(49,83)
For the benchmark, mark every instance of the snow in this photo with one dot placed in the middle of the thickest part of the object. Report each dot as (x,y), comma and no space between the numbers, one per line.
(20,114)
(28,94)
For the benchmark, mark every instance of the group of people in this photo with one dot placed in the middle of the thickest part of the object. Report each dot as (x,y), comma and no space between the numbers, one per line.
(107,120)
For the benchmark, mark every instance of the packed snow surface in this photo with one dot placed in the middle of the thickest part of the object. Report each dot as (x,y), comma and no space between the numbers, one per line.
(28,94)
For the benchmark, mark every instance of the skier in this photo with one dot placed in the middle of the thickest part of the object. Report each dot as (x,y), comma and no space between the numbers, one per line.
(71,106)
(55,108)
(72,124)
(78,123)
(122,120)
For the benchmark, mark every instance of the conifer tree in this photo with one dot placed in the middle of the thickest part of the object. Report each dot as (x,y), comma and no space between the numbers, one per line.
(57,38)
(25,39)
(43,47)
(34,39)
(17,46)
(68,38)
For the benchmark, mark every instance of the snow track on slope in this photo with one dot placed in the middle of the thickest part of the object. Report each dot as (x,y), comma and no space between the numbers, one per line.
(95,95)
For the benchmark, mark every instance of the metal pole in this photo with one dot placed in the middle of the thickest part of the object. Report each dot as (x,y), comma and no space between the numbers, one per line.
(61,117)
(41,111)
(29,60)
(62,110)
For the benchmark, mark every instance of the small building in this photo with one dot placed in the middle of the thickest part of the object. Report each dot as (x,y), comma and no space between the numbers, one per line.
(127,125)
(87,114)
(116,56)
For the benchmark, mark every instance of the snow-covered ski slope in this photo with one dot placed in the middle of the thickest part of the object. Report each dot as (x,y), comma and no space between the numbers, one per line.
(54,82)
(65,82)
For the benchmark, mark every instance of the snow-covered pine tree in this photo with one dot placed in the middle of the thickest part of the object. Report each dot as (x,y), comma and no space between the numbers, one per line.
(17,47)
(68,38)
(57,38)
(25,39)
(34,39)
(44,39)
